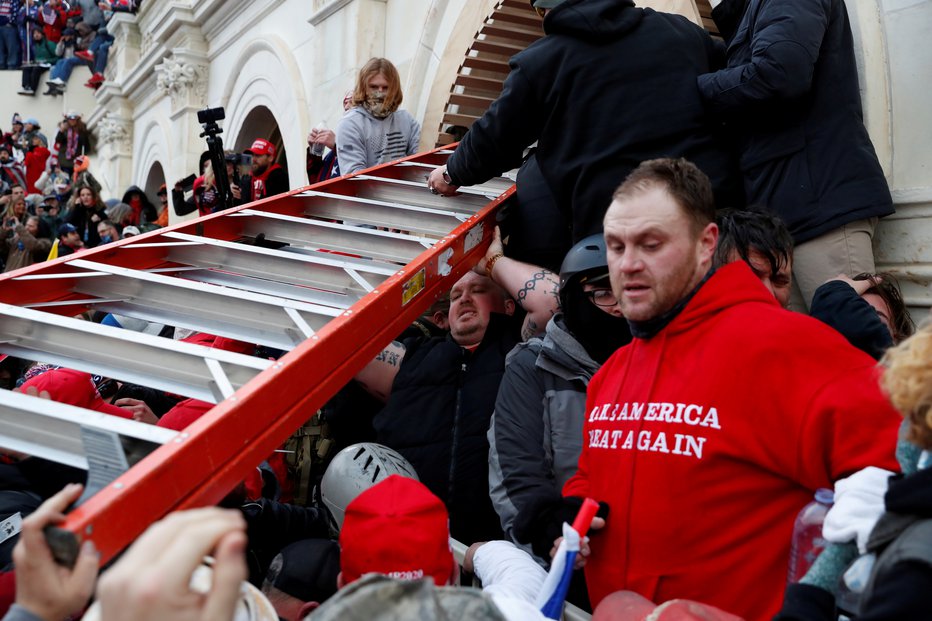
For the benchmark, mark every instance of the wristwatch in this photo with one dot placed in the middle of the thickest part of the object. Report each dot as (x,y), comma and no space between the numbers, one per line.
(446,176)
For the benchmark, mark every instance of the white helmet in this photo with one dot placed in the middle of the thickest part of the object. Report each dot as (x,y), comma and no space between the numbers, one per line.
(354,470)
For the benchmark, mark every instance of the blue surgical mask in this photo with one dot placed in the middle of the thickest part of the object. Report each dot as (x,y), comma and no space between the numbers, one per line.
(106,239)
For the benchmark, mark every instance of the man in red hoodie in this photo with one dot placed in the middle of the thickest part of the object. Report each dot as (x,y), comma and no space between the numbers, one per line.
(710,431)
(35,161)
(268,178)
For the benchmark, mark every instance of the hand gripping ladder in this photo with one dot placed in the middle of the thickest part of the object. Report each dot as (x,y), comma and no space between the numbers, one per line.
(340,269)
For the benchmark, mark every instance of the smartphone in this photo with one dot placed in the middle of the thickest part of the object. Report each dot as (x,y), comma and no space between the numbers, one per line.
(188,182)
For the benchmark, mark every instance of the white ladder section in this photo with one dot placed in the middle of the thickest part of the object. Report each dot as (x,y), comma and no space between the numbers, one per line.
(327,274)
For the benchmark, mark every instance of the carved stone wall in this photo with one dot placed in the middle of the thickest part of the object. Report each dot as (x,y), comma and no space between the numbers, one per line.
(116,134)
(184,80)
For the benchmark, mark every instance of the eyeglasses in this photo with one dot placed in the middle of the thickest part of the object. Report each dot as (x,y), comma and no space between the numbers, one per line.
(107,388)
(602,297)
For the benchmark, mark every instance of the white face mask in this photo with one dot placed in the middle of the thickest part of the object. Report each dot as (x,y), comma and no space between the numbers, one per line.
(375,104)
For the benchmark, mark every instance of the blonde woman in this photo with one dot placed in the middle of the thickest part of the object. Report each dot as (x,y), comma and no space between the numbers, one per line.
(376,130)
(901,579)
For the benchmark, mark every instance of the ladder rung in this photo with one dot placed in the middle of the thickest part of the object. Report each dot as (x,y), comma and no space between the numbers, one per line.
(416,192)
(250,317)
(463,120)
(277,289)
(52,430)
(383,245)
(501,49)
(482,64)
(122,354)
(321,270)
(413,171)
(526,37)
(434,222)
(523,18)
(471,102)
(489,85)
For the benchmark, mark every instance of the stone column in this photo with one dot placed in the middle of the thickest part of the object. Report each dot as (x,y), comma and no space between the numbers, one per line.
(182,77)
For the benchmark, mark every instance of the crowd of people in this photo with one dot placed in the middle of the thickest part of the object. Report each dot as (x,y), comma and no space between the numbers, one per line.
(51,200)
(679,319)
(57,36)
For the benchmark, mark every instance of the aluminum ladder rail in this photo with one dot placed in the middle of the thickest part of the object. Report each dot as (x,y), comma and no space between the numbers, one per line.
(342,268)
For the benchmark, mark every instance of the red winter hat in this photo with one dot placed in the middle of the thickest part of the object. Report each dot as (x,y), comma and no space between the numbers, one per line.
(261,147)
(397,528)
(74,388)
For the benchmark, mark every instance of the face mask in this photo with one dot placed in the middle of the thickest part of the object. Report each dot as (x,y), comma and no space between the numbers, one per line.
(375,104)
(598,332)
(106,239)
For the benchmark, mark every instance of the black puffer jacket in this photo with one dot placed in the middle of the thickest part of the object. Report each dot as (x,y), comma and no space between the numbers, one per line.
(609,86)
(437,417)
(837,304)
(790,95)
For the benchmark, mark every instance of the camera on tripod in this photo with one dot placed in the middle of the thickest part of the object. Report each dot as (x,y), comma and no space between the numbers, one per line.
(208,118)
(239,159)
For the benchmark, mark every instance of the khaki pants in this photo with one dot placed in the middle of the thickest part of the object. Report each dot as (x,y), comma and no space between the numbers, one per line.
(846,250)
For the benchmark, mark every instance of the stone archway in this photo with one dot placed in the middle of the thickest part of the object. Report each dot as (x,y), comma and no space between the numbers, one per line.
(257,105)
(154,180)
(260,123)
(153,154)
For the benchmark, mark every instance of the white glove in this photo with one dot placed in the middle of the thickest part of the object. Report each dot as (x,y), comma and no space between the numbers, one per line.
(858,506)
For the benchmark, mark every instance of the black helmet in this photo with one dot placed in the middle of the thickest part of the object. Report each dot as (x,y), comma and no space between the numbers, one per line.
(584,260)
(599,331)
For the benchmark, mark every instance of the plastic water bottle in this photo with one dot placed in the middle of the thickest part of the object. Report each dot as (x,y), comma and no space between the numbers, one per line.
(317,149)
(807,541)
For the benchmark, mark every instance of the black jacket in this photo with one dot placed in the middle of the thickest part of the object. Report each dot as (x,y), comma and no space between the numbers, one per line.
(609,86)
(790,96)
(837,304)
(81,218)
(437,417)
(271,525)
(149,213)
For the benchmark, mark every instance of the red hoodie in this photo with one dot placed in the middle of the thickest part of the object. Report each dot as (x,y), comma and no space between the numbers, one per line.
(707,439)
(35,164)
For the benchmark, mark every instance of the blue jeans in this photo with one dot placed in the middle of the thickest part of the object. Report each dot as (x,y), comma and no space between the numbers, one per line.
(9,47)
(65,66)
(100,47)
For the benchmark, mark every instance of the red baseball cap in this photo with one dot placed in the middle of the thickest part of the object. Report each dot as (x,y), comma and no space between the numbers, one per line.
(74,388)
(184,413)
(261,147)
(397,528)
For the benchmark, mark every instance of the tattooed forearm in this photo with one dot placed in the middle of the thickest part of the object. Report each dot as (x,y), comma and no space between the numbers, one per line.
(530,329)
(549,285)
(390,356)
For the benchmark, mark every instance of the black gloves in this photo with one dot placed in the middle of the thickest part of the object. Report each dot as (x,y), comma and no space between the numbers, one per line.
(540,525)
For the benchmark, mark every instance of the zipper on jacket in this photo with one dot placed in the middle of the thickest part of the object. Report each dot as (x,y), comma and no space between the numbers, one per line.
(464,367)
